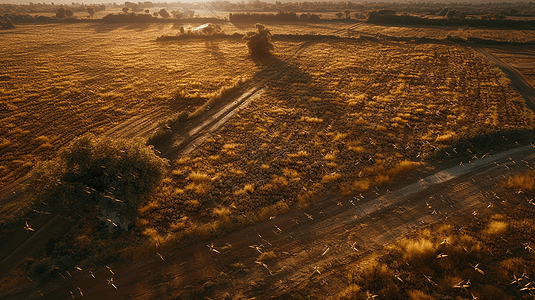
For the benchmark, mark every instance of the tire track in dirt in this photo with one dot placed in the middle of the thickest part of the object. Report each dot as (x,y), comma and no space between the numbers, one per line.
(311,244)
(186,142)
(139,126)
(350,28)
(414,216)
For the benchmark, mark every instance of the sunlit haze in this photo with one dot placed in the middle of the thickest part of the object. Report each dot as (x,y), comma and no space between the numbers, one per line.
(267,149)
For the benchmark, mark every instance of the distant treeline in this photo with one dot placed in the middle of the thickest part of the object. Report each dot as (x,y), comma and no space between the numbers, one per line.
(111,18)
(495,20)
(6,23)
(147,18)
(315,37)
(269,17)
(300,37)
(33,8)
(129,18)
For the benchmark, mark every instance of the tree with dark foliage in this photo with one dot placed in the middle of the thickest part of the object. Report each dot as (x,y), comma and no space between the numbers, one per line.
(114,175)
(6,23)
(60,14)
(259,43)
(91,11)
(163,13)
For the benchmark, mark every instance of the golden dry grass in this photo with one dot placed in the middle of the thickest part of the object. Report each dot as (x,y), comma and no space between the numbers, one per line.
(523,182)
(266,256)
(345,117)
(482,256)
(340,117)
(66,80)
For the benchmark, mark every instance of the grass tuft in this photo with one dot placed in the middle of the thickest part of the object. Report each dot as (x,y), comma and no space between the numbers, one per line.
(331,177)
(266,256)
(524,181)
(311,120)
(496,227)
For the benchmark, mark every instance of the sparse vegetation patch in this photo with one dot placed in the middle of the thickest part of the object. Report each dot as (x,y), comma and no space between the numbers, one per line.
(485,259)
(340,119)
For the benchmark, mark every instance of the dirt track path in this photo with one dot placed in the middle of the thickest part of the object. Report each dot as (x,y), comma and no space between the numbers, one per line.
(20,244)
(303,244)
(519,82)
(324,237)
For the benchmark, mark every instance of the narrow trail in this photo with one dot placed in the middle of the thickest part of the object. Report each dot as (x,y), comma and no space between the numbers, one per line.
(519,82)
(349,28)
(192,135)
(325,237)
(300,237)
(20,244)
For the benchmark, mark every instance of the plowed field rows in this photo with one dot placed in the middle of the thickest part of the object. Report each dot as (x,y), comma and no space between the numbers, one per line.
(60,81)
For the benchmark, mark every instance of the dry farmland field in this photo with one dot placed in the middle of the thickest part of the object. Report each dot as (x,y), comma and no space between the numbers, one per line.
(61,81)
(334,154)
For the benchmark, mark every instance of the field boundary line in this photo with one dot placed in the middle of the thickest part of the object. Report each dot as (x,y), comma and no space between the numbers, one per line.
(519,81)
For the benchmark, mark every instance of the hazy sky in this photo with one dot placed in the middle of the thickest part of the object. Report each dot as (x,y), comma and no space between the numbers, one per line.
(270,1)
(92,1)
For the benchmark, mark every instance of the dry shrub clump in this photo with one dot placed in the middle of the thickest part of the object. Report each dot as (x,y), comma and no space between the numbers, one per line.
(495,228)
(259,43)
(376,276)
(266,256)
(418,249)
(524,181)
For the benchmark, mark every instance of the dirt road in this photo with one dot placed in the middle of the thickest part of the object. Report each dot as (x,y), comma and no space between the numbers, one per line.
(311,245)
(519,82)
(21,244)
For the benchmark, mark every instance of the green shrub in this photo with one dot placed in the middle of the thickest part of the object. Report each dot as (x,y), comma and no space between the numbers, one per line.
(112,174)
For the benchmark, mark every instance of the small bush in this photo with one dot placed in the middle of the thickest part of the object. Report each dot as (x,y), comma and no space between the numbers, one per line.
(524,181)
(419,249)
(496,227)
(160,135)
(266,256)
(375,277)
